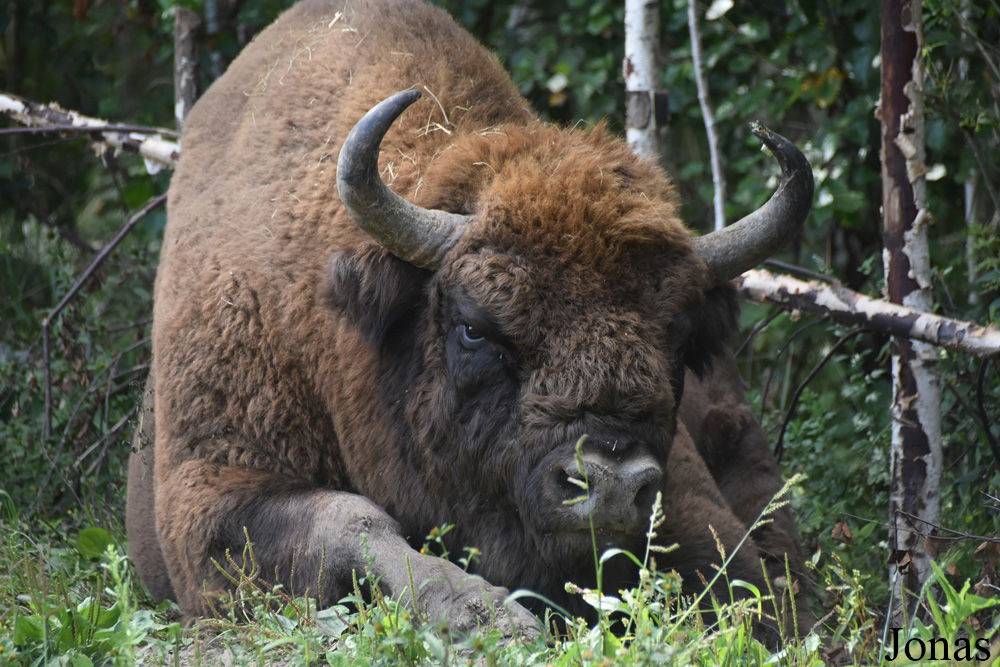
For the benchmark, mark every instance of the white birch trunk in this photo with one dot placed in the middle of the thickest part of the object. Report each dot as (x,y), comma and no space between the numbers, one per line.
(916,406)
(642,21)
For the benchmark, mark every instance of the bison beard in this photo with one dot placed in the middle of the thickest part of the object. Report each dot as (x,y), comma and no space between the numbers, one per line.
(379,362)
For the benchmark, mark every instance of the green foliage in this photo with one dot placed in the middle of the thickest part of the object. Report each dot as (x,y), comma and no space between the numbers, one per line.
(808,70)
(564,56)
(73,605)
(70,607)
(58,204)
(98,362)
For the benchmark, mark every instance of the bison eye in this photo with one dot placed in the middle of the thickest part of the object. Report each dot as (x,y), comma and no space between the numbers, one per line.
(471,338)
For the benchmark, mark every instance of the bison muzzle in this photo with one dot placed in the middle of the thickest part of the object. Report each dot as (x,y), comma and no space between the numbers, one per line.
(369,323)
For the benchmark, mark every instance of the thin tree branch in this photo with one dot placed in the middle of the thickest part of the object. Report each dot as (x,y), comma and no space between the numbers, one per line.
(781,350)
(106,438)
(780,446)
(93,389)
(974,415)
(800,271)
(66,231)
(760,326)
(846,306)
(46,356)
(718,176)
(96,262)
(158,153)
(84,129)
(981,46)
(141,322)
(984,169)
(957,535)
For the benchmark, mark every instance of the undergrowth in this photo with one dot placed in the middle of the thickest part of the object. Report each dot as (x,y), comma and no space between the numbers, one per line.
(75,601)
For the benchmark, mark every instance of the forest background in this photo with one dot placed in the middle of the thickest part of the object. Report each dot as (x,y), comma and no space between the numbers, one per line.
(809,70)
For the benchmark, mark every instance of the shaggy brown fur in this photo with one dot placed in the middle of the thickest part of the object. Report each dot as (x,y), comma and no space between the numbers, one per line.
(312,400)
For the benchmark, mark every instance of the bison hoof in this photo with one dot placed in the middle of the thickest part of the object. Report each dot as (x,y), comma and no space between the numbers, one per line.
(474,605)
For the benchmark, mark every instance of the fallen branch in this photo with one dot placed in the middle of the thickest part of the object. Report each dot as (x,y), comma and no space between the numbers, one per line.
(849,307)
(157,152)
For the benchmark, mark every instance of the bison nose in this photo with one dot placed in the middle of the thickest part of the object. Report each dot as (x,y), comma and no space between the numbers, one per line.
(618,495)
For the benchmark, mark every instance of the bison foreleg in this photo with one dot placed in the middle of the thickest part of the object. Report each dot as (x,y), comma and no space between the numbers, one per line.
(311,542)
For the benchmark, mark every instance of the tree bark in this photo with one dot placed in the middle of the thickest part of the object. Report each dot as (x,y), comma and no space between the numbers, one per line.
(157,152)
(708,114)
(642,38)
(916,405)
(186,24)
(846,306)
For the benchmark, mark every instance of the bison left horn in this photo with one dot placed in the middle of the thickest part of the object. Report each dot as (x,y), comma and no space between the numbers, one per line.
(730,251)
(417,235)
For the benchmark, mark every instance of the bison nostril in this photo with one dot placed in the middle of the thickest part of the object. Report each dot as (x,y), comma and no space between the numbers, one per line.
(646,496)
(572,483)
(613,494)
(646,481)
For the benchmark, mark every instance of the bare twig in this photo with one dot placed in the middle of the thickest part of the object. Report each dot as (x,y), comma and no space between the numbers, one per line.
(955,535)
(65,230)
(141,322)
(106,441)
(781,350)
(93,389)
(85,129)
(54,458)
(779,447)
(981,46)
(46,356)
(96,262)
(955,460)
(846,306)
(718,176)
(800,271)
(760,326)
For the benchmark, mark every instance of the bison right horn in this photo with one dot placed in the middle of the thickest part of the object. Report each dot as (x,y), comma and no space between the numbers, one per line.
(730,251)
(416,235)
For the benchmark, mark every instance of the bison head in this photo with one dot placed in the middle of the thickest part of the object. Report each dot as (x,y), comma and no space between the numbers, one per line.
(561,298)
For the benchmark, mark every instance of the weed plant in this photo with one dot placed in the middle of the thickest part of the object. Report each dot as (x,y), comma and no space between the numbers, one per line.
(78,603)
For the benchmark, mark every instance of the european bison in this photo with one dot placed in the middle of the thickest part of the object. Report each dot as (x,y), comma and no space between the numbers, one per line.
(334,358)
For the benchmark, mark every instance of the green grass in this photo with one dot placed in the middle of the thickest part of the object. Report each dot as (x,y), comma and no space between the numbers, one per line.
(70,597)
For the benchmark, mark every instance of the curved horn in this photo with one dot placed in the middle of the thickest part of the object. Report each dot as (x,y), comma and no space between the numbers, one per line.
(730,251)
(417,235)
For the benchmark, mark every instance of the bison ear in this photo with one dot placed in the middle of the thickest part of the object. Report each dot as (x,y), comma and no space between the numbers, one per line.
(375,290)
(709,327)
